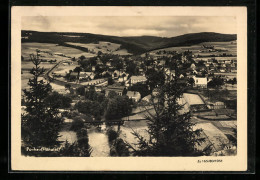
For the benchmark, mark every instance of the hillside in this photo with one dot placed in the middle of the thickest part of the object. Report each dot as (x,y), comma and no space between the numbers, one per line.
(135,44)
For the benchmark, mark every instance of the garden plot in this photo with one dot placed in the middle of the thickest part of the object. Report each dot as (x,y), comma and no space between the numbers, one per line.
(214,135)
(58,88)
(192,99)
(229,124)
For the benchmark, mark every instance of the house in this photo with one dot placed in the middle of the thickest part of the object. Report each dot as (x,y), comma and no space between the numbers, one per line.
(141,71)
(136,96)
(162,63)
(122,78)
(86,75)
(106,73)
(222,70)
(200,82)
(137,79)
(228,62)
(116,74)
(223,65)
(118,89)
(181,76)
(193,66)
(98,88)
(93,68)
(108,63)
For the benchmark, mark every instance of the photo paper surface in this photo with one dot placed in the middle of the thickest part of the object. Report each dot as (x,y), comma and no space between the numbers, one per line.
(128,88)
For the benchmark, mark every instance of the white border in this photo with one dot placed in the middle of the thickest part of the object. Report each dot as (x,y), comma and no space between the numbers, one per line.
(18,162)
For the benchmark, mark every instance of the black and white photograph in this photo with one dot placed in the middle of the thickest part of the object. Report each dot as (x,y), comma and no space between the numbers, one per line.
(129,86)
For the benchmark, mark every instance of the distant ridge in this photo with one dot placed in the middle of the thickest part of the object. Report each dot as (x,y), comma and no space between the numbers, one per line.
(134,44)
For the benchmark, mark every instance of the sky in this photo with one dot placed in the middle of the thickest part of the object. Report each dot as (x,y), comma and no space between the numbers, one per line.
(163,26)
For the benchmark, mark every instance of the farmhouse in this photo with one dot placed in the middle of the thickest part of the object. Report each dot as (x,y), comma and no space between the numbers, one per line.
(200,82)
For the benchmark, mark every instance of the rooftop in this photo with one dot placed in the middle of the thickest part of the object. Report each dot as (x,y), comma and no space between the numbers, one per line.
(135,78)
(132,93)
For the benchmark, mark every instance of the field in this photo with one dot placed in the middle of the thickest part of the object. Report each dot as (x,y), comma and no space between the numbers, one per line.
(25,78)
(213,134)
(192,99)
(29,48)
(28,65)
(104,47)
(65,68)
(230,47)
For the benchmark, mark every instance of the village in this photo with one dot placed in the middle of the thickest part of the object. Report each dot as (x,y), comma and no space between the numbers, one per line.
(92,83)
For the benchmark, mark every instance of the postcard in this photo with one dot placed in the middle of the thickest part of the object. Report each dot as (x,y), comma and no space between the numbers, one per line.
(128,88)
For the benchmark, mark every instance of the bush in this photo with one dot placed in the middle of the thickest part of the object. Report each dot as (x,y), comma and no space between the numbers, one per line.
(83,132)
(77,124)
(73,150)
(121,148)
(83,142)
(112,135)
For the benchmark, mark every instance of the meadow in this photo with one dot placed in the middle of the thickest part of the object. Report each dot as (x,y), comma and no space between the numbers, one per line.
(228,47)
(104,47)
(30,47)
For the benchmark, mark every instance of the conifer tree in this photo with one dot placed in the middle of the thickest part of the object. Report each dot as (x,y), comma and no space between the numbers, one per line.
(41,122)
(170,129)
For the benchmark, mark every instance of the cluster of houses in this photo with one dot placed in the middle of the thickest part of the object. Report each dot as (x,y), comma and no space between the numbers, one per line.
(219,65)
(198,69)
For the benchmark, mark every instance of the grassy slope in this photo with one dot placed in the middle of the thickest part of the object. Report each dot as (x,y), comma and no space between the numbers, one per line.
(135,44)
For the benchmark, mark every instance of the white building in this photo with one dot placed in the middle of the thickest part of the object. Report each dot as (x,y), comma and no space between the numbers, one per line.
(137,79)
(200,82)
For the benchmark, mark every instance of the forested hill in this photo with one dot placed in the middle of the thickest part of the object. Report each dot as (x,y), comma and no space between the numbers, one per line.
(134,44)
